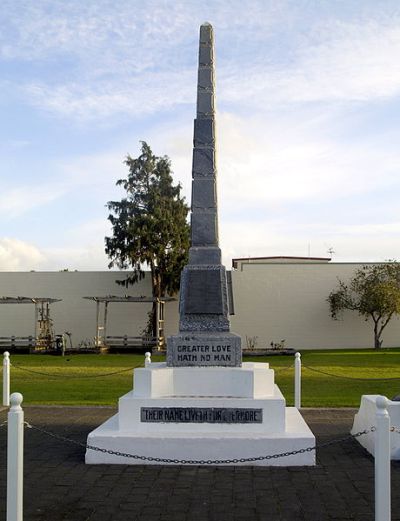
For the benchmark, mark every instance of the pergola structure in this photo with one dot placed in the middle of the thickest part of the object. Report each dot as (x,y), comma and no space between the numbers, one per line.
(101,318)
(44,332)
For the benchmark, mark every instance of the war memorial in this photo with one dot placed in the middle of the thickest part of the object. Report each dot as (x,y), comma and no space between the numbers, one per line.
(204,404)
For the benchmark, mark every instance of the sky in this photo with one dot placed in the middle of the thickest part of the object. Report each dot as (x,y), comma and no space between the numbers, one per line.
(308,99)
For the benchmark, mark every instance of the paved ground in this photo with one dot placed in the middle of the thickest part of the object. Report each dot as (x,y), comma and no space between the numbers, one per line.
(60,487)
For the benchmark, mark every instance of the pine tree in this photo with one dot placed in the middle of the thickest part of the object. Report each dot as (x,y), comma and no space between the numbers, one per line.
(149,226)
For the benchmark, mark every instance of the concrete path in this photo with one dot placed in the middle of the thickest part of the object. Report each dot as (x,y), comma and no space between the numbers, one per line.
(60,487)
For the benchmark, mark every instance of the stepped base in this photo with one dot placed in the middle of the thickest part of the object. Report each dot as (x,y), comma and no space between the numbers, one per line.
(200,414)
(203,446)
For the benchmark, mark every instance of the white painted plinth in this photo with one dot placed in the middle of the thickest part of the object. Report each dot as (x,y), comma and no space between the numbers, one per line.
(250,387)
(251,380)
(204,446)
(365,419)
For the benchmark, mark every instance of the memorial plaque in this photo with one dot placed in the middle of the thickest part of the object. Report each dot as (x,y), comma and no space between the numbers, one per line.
(203,292)
(218,349)
(200,415)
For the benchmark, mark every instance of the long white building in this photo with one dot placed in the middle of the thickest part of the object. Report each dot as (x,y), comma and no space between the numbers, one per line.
(275,298)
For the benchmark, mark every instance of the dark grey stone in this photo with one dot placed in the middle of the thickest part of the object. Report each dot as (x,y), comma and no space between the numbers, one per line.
(203,292)
(204,228)
(205,78)
(204,349)
(203,162)
(204,295)
(198,322)
(204,255)
(204,132)
(205,56)
(205,102)
(206,34)
(204,194)
(200,415)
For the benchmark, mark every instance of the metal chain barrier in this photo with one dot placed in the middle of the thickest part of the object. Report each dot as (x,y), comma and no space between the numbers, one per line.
(198,462)
(54,375)
(350,377)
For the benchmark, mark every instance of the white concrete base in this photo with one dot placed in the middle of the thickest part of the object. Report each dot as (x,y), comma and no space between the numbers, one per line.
(204,446)
(273,428)
(251,380)
(365,419)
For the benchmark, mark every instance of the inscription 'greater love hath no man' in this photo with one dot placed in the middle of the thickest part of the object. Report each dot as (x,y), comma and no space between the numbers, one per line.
(203,353)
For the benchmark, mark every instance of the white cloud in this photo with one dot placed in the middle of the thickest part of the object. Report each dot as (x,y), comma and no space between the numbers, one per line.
(258,167)
(85,253)
(349,62)
(18,201)
(119,60)
(269,237)
(16,255)
(158,91)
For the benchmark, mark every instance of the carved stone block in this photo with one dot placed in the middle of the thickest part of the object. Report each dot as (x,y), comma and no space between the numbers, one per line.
(204,229)
(204,193)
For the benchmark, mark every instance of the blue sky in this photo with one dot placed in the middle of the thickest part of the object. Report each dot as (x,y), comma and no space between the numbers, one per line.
(308,97)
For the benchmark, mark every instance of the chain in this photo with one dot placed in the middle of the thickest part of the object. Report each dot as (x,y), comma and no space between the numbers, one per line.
(395,429)
(198,462)
(349,377)
(54,375)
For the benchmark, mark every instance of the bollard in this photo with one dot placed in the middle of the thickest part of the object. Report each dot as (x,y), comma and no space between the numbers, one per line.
(382,461)
(147,359)
(297,380)
(15,452)
(6,378)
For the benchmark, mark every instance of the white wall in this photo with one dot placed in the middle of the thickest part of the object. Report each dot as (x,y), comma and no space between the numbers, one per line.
(276,301)
(273,301)
(74,313)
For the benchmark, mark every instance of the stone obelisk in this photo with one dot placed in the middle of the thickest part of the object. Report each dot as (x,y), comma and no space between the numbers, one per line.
(204,337)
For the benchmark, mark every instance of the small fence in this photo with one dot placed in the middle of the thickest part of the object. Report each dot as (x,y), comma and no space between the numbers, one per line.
(17,342)
(15,448)
(382,430)
(124,342)
(29,343)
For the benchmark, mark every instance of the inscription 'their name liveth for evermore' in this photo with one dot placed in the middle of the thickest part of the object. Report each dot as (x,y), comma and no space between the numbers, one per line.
(200,415)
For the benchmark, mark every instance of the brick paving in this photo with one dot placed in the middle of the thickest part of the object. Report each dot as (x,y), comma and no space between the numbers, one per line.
(60,487)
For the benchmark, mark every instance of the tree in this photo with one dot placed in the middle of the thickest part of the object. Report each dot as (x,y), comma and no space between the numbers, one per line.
(149,226)
(374,292)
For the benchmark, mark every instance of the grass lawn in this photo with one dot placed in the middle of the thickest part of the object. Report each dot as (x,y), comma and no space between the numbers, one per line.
(75,380)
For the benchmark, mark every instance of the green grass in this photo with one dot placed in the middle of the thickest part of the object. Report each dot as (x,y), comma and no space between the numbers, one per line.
(75,384)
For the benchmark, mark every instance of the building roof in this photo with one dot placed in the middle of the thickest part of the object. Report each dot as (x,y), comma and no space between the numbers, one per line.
(278,258)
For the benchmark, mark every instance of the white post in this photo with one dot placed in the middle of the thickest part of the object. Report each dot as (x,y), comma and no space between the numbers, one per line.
(382,461)
(6,378)
(15,453)
(297,380)
(147,359)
